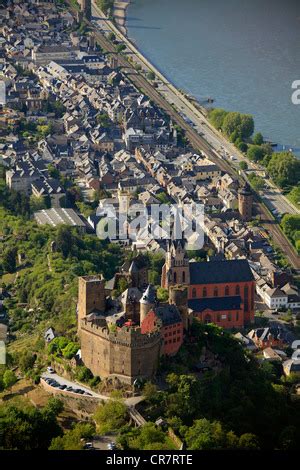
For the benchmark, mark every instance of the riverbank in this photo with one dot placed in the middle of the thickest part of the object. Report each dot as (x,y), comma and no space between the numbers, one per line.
(120,11)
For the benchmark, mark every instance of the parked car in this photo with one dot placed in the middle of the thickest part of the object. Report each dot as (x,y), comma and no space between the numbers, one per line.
(50,370)
(111,446)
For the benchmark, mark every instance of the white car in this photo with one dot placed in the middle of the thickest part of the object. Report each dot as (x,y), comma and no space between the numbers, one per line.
(50,370)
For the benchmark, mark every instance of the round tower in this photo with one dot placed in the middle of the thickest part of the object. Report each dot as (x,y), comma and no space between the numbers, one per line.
(245,202)
(147,302)
(178,295)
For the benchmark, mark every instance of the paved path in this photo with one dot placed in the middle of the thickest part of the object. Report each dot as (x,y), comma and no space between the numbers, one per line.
(130,402)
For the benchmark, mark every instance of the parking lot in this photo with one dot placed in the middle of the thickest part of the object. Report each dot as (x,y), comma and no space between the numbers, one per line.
(65,385)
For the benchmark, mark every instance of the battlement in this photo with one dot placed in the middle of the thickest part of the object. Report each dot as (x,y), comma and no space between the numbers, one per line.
(126,336)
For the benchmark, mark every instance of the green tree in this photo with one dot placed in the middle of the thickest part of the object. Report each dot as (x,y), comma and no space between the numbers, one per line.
(284,169)
(111,416)
(248,441)
(258,138)
(243,165)
(9,261)
(9,378)
(217,116)
(255,153)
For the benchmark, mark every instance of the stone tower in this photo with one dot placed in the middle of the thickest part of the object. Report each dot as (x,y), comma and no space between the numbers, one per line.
(86,8)
(147,302)
(178,295)
(176,268)
(91,296)
(245,202)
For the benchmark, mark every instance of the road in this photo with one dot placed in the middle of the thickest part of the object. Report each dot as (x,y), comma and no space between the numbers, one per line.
(200,133)
(130,402)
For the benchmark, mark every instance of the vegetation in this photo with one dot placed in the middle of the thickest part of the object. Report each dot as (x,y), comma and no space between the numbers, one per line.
(111,416)
(243,405)
(105,5)
(74,438)
(257,182)
(28,428)
(290,224)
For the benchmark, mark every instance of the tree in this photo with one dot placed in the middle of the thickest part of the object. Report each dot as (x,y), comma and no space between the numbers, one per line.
(9,260)
(206,435)
(255,153)
(72,440)
(26,361)
(27,428)
(248,441)
(55,405)
(120,48)
(150,437)
(149,391)
(217,116)
(289,438)
(238,126)
(284,169)
(111,416)
(9,378)
(258,138)
(257,182)
(151,76)
(64,240)
(243,165)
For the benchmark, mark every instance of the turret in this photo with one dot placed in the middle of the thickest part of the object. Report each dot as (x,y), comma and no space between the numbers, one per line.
(147,302)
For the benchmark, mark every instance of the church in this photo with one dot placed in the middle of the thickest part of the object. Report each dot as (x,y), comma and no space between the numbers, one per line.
(220,292)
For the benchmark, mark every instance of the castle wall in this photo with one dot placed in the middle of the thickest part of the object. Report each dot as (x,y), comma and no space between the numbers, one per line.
(127,352)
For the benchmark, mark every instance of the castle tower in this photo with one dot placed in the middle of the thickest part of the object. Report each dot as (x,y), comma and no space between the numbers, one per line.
(86,8)
(245,202)
(178,295)
(176,268)
(147,302)
(91,296)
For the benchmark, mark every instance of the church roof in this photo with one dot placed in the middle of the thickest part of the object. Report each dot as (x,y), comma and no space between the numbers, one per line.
(215,303)
(220,272)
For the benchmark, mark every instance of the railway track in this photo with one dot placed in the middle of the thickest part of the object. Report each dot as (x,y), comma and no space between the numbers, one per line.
(196,140)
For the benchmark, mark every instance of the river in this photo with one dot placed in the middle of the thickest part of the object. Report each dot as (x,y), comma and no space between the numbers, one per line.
(245,54)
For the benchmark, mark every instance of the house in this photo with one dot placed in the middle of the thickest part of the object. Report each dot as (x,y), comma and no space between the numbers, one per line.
(270,336)
(291,366)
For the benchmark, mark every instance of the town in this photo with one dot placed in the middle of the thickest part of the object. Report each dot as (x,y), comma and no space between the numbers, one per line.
(77,136)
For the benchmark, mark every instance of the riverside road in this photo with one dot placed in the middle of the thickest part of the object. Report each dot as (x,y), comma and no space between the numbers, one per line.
(200,133)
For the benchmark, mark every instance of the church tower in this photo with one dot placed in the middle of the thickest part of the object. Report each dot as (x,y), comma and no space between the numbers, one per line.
(176,268)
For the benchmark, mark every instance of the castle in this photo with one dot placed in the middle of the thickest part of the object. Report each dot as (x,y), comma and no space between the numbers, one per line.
(123,334)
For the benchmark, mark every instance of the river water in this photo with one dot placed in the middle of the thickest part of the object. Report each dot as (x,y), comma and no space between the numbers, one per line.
(245,54)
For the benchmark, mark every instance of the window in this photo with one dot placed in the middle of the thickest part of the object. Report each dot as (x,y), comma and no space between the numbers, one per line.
(246,299)
(237,316)
(218,317)
(216,292)
(175,277)
(237,290)
(183,276)
(229,316)
(227,290)
(194,292)
(204,292)
(207,319)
